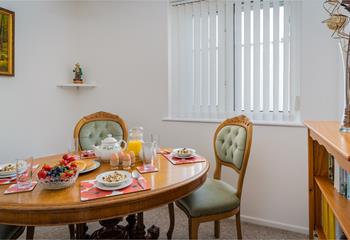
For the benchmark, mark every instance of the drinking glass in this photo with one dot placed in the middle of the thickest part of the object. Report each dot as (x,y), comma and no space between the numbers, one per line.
(148,154)
(24,172)
(73,146)
(156,142)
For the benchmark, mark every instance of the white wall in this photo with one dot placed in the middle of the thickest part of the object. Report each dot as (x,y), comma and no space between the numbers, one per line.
(37,117)
(122,46)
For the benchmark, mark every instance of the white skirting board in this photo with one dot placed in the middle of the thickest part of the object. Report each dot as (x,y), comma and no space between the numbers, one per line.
(273,224)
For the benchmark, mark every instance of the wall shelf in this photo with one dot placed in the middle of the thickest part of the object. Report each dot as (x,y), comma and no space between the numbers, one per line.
(76,85)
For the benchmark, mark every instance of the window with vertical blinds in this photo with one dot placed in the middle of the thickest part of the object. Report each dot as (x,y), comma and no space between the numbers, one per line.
(230,57)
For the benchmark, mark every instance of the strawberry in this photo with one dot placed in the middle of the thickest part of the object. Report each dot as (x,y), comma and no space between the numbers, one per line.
(73,165)
(66,156)
(47,167)
(42,174)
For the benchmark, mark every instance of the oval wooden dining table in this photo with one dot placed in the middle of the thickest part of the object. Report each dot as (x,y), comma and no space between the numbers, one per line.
(42,207)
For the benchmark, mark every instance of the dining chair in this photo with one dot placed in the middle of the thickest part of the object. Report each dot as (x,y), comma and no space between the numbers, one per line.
(216,199)
(93,128)
(10,231)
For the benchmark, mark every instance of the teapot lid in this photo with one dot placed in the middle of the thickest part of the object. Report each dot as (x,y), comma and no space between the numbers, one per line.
(109,140)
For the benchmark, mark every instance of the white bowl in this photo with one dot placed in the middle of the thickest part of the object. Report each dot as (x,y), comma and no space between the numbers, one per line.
(177,153)
(54,185)
(100,177)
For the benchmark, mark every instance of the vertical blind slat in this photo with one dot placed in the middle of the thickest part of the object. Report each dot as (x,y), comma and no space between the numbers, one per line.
(238,56)
(256,78)
(188,90)
(205,57)
(174,69)
(182,61)
(196,30)
(266,59)
(286,53)
(229,57)
(247,57)
(221,55)
(276,78)
(212,46)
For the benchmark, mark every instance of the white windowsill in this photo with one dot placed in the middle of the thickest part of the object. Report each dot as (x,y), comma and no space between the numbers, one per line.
(256,122)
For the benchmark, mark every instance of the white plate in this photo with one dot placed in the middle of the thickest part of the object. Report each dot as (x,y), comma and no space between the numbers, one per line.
(97,165)
(100,177)
(8,176)
(105,188)
(8,172)
(174,153)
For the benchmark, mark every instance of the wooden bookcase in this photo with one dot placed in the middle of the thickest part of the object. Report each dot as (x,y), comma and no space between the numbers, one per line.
(324,138)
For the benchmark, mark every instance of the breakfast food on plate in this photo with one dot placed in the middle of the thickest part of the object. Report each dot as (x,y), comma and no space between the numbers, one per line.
(89,164)
(87,154)
(80,164)
(61,172)
(114,177)
(8,168)
(184,151)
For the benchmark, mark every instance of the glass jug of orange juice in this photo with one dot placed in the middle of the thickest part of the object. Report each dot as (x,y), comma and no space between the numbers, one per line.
(135,140)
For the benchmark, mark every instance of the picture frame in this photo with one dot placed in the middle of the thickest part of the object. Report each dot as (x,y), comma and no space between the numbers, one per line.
(7,42)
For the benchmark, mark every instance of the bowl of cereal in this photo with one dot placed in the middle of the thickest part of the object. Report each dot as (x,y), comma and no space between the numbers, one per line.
(113,178)
(184,152)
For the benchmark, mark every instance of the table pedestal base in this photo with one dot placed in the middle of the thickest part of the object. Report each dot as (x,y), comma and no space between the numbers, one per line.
(135,229)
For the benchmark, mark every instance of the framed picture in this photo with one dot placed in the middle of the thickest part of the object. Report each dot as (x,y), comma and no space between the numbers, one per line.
(7,42)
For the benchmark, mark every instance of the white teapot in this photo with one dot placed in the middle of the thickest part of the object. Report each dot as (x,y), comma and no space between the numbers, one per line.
(109,146)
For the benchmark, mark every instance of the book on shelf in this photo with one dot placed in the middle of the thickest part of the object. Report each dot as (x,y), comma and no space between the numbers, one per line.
(339,177)
(341,182)
(328,221)
(331,168)
(336,176)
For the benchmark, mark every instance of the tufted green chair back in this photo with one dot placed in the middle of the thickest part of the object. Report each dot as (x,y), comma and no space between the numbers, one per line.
(93,132)
(91,129)
(232,141)
(230,144)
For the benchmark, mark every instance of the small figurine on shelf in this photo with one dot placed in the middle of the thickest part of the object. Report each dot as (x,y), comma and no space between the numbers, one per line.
(78,73)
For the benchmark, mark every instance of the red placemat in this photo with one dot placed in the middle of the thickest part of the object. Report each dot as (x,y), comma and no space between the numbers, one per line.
(88,190)
(149,169)
(9,180)
(176,161)
(14,189)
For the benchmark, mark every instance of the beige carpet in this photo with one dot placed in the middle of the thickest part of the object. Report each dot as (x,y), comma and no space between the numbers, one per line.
(160,218)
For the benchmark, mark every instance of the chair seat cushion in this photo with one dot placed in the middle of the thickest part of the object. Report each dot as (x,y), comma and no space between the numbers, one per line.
(213,197)
(10,231)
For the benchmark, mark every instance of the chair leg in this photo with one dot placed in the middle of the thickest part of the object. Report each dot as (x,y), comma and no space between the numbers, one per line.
(193,228)
(71,231)
(172,220)
(238,225)
(217,229)
(30,232)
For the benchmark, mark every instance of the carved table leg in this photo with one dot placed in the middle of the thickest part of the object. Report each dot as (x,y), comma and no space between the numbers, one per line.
(111,230)
(135,229)
(140,227)
(131,219)
(80,231)
(152,232)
